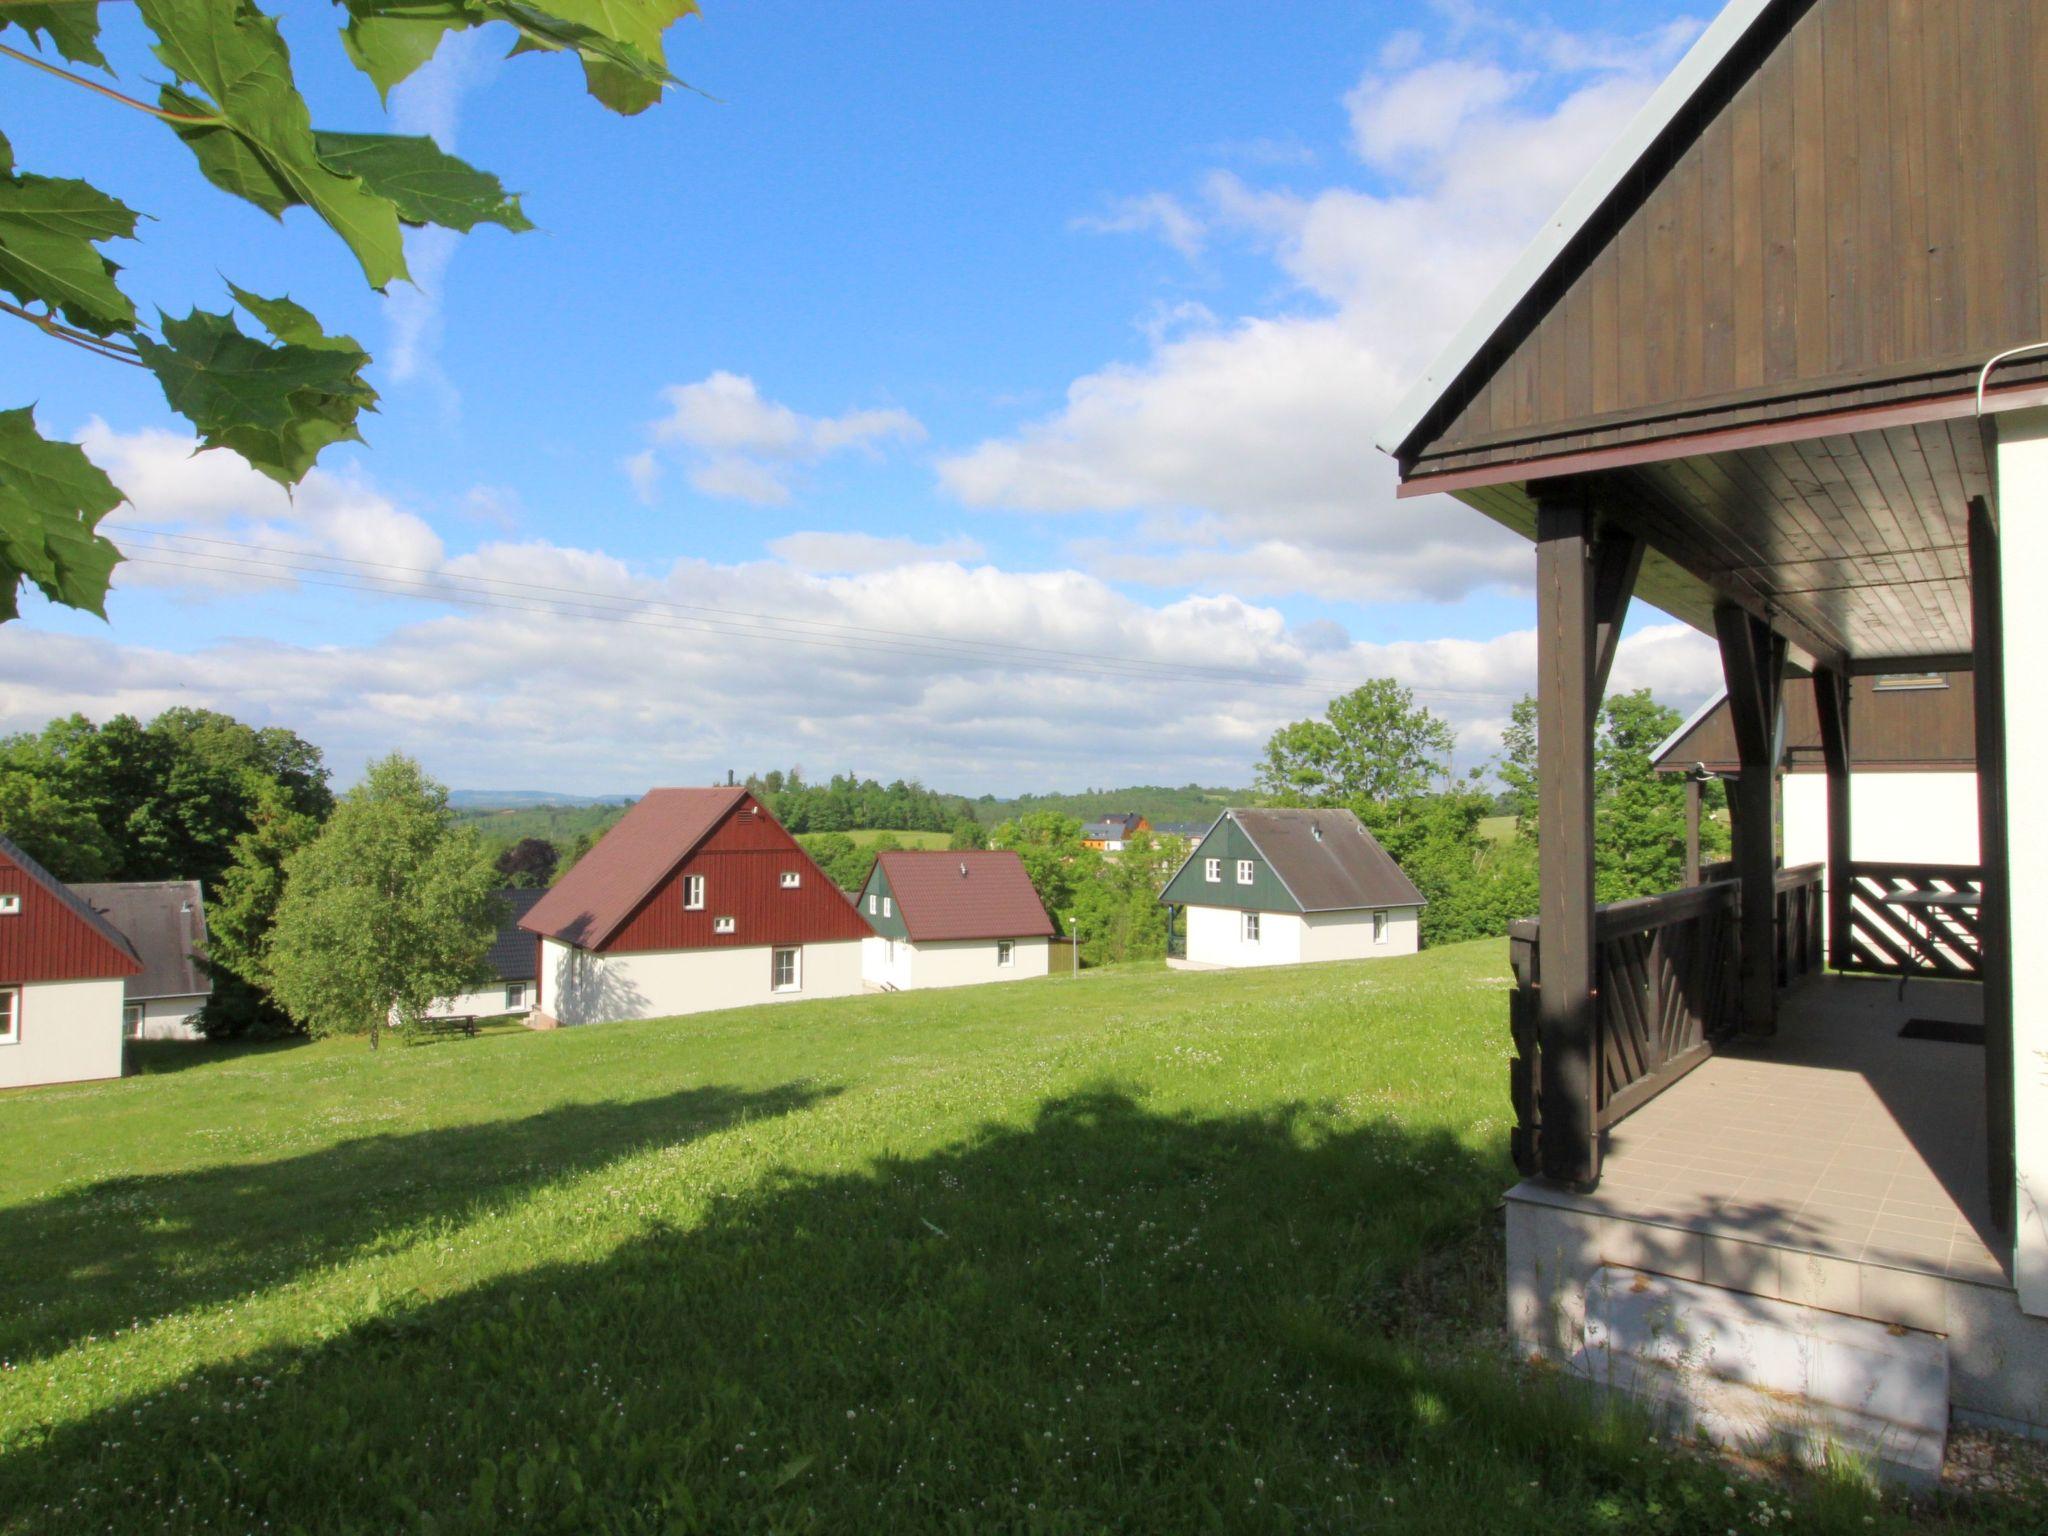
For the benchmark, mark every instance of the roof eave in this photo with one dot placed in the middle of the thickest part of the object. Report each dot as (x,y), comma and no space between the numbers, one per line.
(1593,193)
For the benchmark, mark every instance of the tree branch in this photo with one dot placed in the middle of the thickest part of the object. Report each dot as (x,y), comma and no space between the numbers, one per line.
(115,351)
(199,119)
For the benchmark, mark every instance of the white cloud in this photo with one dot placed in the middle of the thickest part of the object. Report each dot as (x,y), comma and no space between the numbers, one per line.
(833,553)
(745,447)
(1159,213)
(1242,449)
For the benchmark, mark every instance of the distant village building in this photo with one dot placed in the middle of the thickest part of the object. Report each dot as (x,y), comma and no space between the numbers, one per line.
(1287,886)
(1111,833)
(164,922)
(63,976)
(952,919)
(1186,831)
(696,899)
(514,962)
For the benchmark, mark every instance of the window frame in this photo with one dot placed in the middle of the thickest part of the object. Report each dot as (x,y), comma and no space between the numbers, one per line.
(10,904)
(874,903)
(792,879)
(1247,871)
(1379,927)
(1006,953)
(693,893)
(10,1032)
(131,1020)
(795,952)
(888,907)
(724,925)
(510,1000)
(1212,871)
(1248,927)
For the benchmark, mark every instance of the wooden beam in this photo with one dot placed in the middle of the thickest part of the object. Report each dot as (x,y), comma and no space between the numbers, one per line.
(1932,661)
(1568,1020)
(1831,702)
(1753,663)
(1987,628)
(1617,561)
(1692,830)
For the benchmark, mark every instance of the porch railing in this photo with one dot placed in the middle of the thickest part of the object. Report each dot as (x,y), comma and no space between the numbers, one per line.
(1666,993)
(1915,920)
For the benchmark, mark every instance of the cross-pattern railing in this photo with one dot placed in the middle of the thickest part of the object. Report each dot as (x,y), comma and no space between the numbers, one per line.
(1915,920)
(1666,992)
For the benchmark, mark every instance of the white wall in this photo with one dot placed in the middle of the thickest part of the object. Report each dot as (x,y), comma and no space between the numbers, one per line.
(487,1002)
(1348,935)
(69,1032)
(171,1018)
(1215,937)
(2023,555)
(578,987)
(952,963)
(1909,818)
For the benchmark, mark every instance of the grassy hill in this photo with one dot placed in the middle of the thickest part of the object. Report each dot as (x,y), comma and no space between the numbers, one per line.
(1134,1251)
(1155,802)
(559,824)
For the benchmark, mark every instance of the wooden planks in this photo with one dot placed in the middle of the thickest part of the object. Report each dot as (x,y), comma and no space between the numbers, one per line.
(1862,198)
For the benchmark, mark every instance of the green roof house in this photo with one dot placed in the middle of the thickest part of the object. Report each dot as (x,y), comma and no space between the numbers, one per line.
(1290,886)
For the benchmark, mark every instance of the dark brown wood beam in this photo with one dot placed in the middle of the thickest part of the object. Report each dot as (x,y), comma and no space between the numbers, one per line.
(1831,703)
(1617,561)
(1568,1020)
(1987,628)
(1753,663)
(1692,829)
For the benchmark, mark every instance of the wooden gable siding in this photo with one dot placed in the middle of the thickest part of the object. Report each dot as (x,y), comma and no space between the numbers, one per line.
(742,862)
(1227,841)
(47,941)
(1916,730)
(1856,212)
(889,925)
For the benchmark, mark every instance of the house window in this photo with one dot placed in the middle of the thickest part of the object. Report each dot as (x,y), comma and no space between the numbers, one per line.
(1379,927)
(1251,927)
(888,907)
(1212,871)
(10,1015)
(789,973)
(9,904)
(791,879)
(515,994)
(723,925)
(1006,952)
(873,902)
(693,893)
(1244,871)
(131,1020)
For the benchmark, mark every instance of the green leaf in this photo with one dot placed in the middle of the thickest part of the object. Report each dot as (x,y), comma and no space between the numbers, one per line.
(47,228)
(234,54)
(227,159)
(425,184)
(51,499)
(277,406)
(292,322)
(73,26)
(389,39)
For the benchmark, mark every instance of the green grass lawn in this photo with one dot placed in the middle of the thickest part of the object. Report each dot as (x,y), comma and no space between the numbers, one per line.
(1138,1250)
(1497,829)
(868,837)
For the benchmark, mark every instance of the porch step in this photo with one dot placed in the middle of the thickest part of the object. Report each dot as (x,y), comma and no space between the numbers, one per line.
(1757,1373)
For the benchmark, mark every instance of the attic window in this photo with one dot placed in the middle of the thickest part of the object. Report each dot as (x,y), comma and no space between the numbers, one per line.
(1908,682)
(791,879)
(693,893)
(1244,871)
(724,925)
(9,904)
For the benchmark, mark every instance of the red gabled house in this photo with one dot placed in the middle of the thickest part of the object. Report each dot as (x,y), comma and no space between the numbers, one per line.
(696,899)
(63,972)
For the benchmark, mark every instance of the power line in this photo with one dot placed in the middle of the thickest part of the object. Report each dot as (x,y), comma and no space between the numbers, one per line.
(315,568)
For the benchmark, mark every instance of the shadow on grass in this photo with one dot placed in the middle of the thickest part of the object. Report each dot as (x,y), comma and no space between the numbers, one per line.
(1109,1319)
(126,1250)
(160,1058)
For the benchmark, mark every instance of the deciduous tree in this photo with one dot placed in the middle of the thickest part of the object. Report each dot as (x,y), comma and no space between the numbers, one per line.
(1373,743)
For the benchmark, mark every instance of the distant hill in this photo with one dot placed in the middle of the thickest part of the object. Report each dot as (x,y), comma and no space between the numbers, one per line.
(518,799)
(1155,802)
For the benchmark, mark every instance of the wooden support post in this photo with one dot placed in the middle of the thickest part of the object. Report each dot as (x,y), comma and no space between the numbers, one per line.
(1987,681)
(1565,700)
(1692,830)
(1753,662)
(1831,702)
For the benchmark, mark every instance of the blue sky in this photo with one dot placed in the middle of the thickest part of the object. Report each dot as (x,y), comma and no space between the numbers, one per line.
(1025,356)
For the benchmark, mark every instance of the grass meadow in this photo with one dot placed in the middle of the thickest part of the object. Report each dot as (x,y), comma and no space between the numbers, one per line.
(1136,1250)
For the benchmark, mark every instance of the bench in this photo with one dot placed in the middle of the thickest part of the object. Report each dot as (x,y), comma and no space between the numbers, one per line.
(461,1024)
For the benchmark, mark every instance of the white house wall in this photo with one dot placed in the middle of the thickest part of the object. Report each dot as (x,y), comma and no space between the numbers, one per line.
(68,1032)
(1348,935)
(1216,937)
(579,987)
(171,1018)
(951,963)
(2023,554)
(1904,818)
(486,1003)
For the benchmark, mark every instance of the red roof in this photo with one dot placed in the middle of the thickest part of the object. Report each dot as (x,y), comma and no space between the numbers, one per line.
(966,894)
(604,887)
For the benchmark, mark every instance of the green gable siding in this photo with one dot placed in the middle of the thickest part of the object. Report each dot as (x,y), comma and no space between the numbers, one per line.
(890,927)
(1226,841)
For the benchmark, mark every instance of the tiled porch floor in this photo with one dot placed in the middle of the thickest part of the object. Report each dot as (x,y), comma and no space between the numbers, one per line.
(1835,1138)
